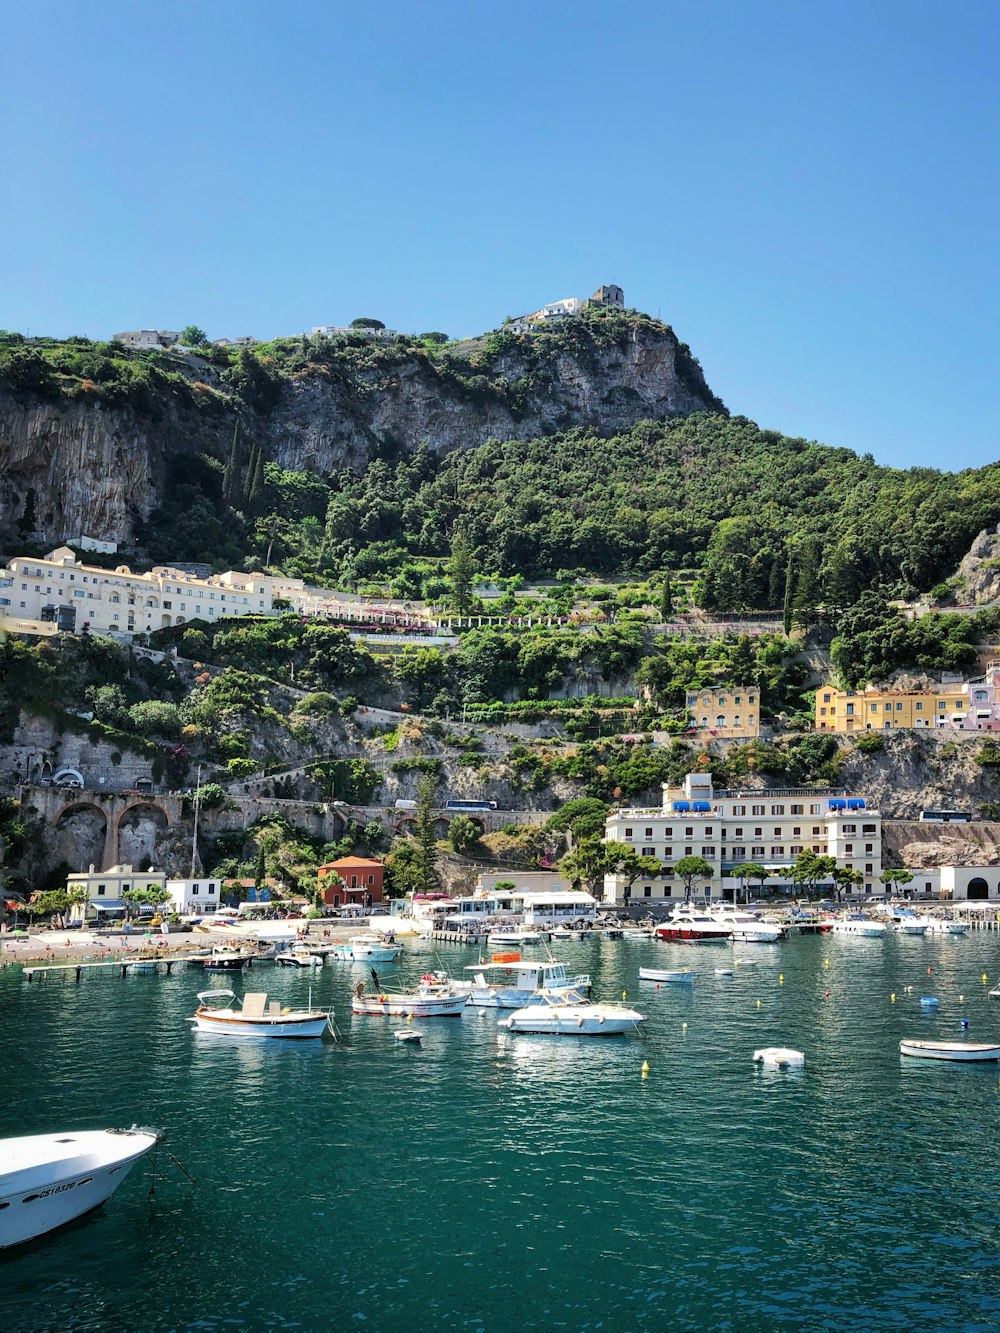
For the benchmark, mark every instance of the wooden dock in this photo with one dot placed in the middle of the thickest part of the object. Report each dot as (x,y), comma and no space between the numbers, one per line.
(460,936)
(124,966)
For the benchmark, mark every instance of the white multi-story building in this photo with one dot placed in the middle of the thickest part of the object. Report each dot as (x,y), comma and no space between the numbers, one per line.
(733,828)
(105,889)
(151,339)
(61,590)
(194,897)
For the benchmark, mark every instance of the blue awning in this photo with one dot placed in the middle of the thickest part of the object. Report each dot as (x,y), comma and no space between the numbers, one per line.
(108,904)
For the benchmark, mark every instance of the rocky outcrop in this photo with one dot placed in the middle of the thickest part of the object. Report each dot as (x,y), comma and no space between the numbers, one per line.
(79,465)
(978,576)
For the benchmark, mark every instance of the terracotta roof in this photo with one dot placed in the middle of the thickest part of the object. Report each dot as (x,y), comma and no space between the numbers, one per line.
(349,861)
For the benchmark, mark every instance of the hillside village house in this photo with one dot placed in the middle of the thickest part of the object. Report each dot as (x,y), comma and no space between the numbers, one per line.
(353,881)
(724,711)
(151,339)
(608,295)
(60,590)
(966,706)
(733,828)
(105,890)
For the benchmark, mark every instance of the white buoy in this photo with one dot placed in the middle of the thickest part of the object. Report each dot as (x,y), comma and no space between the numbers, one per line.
(779,1057)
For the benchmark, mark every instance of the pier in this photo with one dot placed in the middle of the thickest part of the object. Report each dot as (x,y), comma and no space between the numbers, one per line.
(124,965)
(460,936)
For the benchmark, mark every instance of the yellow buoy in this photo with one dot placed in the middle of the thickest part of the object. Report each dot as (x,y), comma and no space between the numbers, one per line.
(645,1069)
(409,1018)
(892,997)
(985,978)
(758,1004)
(684,1026)
(826,962)
(624,995)
(781,979)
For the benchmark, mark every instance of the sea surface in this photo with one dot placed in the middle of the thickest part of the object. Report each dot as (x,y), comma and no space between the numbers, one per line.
(483,1181)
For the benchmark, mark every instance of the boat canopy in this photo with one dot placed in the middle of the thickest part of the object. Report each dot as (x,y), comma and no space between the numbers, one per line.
(216,995)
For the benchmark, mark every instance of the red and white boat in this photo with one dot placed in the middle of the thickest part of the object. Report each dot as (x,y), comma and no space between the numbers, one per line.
(688,925)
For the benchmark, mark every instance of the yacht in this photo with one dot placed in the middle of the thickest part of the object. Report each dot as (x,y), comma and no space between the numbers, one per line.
(368,949)
(748,928)
(908,923)
(501,936)
(857,924)
(513,984)
(946,925)
(47,1180)
(689,925)
(569,1015)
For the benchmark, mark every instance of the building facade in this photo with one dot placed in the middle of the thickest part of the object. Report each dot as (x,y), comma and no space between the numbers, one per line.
(971,705)
(194,897)
(151,339)
(724,711)
(609,295)
(61,590)
(734,828)
(353,881)
(105,890)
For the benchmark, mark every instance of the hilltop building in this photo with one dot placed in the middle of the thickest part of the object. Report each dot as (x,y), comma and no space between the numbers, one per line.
(609,295)
(721,712)
(150,339)
(972,705)
(733,828)
(555,311)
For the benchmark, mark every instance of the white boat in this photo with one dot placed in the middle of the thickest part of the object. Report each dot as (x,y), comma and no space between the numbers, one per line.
(964,1051)
(946,925)
(368,949)
(413,1035)
(908,923)
(750,929)
(509,935)
(681,976)
(688,925)
(856,924)
(427,1001)
(564,1016)
(566,933)
(510,983)
(256,1017)
(299,957)
(47,1180)
(779,1057)
(222,959)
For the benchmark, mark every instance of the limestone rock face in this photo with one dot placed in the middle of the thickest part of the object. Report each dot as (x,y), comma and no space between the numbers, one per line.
(100,470)
(979,572)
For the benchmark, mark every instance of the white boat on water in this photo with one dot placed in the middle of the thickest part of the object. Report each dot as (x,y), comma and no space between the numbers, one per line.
(946,925)
(368,949)
(963,1051)
(47,1180)
(677,976)
(568,1016)
(428,1000)
(257,1017)
(299,956)
(566,933)
(908,923)
(750,929)
(512,983)
(857,924)
(510,935)
(779,1057)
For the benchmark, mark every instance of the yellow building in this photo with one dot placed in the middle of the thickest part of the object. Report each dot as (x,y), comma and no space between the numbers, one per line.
(724,711)
(874,709)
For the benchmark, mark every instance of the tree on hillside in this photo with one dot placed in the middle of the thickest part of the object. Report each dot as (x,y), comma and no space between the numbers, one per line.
(586,864)
(666,599)
(690,868)
(424,831)
(461,571)
(621,859)
(463,833)
(363,322)
(583,817)
(193,336)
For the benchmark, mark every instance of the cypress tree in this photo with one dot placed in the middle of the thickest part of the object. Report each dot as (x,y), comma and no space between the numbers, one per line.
(789,592)
(232,467)
(257,484)
(249,474)
(424,830)
(666,599)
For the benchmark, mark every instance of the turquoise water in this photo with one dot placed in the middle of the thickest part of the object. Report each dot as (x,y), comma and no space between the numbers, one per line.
(486,1181)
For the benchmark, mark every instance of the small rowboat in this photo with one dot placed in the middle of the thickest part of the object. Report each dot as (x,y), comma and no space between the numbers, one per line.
(964,1051)
(681,976)
(779,1057)
(409,1034)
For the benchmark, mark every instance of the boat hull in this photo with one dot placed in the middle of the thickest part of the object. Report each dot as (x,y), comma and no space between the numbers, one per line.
(573,1020)
(679,977)
(960,1051)
(76,1188)
(691,935)
(218,1025)
(404,1006)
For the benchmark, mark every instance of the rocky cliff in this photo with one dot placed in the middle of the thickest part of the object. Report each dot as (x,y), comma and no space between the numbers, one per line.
(978,577)
(74,461)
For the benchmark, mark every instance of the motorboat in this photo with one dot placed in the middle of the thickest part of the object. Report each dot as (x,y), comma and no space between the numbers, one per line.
(857,924)
(946,925)
(750,929)
(636,934)
(678,976)
(47,1180)
(299,957)
(221,959)
(572,1016)
(368,949)
(566,933)
(426,1001)
(503,936)
(510,983)
(908,923)
(963,1051)
(257,1017)
(688,925)
(779,1057)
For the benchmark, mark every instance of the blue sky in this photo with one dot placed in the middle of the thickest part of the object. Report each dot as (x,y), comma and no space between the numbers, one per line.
(807,192)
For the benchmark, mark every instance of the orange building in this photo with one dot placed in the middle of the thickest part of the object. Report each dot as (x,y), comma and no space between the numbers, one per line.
(359,883)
